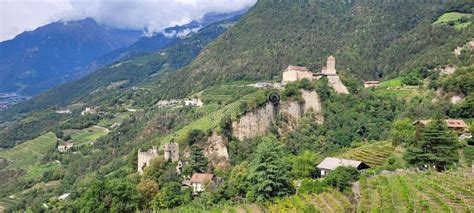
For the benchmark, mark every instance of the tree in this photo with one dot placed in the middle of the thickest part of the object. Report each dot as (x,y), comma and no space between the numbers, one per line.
(303,165)
(342,177)
(402,132)
(156,168)
(121,195)
(170,196)
(437,147)
(197,159)
(148,189)
(268,173)
(196,136)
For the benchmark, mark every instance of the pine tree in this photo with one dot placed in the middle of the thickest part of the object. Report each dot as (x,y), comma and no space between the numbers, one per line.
(437,147)
(197,159)
(269,174)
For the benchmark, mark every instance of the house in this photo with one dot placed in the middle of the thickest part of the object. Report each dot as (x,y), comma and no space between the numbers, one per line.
(89,111)
(457,125)
(199,181)
(193,102)
(329,164)
(368,84)
(63,196)
(65,147)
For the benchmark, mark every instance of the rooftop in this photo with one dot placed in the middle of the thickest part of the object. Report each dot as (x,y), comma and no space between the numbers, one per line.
(332,163)
(452,123)
(296,68)
(201,178)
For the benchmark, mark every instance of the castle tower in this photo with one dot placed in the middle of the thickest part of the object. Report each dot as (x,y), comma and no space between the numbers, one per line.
(171,152)
(144,158)
(330,66)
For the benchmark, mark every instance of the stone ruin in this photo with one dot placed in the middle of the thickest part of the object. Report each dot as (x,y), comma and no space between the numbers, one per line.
(144,158)
(171,152)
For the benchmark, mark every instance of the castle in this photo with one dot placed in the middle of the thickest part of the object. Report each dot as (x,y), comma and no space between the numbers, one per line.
(297,73)
(144,158)
(171,152)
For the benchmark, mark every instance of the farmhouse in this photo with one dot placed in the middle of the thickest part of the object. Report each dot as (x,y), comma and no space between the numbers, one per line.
(368,84)
(89,111)
(457,125)
(65,147)
(329,164)
(144,158)
(199,181)
(193,102)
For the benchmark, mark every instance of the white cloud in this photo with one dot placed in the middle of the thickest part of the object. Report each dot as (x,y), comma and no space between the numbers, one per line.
(153,15)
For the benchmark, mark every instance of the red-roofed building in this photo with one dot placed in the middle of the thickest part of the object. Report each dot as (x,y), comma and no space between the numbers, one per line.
(199,181)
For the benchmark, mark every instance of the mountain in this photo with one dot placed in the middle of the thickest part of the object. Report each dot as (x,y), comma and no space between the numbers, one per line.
(370,39)
(157,41)
(140,69)
(35,61)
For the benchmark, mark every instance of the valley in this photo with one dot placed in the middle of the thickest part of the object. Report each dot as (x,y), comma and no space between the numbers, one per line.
(309,106)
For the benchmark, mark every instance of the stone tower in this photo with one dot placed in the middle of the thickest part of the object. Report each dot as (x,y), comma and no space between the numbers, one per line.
(171,152)
(144,158)
(330,66)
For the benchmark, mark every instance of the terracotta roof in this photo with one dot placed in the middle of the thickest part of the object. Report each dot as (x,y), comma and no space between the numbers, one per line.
(201,178)
(296,68)
(331,57)
(332,163)
(452,123)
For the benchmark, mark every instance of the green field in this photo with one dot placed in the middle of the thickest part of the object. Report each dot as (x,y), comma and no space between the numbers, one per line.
(391,83)
(28,154)
(84,136)
(417,192)
(372,154)
(455,19)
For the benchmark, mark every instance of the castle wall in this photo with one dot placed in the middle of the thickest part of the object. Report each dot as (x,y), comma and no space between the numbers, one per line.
(293,75)
(144,158)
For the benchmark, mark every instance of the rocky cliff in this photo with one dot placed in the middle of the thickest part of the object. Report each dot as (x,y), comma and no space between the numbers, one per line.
(258,122)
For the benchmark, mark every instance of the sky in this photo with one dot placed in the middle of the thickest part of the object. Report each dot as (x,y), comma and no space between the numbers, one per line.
(17,16)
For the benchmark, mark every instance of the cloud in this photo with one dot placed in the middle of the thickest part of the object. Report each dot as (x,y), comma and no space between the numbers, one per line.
(149,15)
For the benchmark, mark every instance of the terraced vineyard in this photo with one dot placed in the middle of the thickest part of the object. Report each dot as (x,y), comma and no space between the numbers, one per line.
(372,154)
(417,192)
(29,153)
(333,201)
(213,119)
(7,202)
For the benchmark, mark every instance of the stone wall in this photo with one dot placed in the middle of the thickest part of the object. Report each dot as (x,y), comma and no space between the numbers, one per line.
(144,158)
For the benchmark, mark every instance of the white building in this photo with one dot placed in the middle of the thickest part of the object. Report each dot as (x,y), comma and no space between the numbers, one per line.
(193,102)
(329,164)
(65,147)
(199,181)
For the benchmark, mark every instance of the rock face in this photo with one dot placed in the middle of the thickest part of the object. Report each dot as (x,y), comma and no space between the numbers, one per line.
(254,124)
(258,122)
(216,151)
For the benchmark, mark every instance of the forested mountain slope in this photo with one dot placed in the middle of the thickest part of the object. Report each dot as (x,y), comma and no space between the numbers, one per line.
(371,39)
